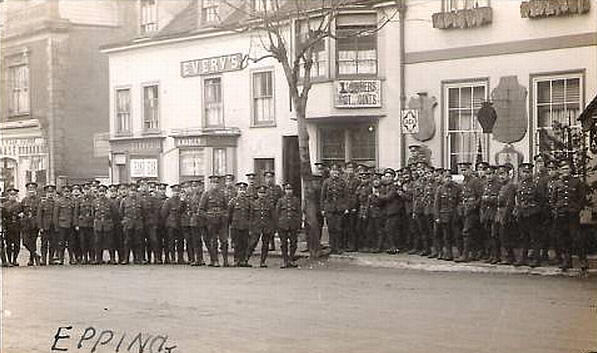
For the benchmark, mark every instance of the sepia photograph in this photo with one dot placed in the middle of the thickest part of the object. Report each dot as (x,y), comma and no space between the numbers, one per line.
(298,176)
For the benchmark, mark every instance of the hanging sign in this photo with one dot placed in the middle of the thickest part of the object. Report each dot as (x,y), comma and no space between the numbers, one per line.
(358,94)
(410,121)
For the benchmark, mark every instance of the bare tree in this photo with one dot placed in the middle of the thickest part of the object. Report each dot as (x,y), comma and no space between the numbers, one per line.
(271,22)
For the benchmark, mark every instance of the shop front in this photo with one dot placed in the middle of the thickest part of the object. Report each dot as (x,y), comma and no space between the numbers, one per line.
(133,159)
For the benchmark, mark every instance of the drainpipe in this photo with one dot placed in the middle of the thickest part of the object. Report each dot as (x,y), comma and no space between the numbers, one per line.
(401,16)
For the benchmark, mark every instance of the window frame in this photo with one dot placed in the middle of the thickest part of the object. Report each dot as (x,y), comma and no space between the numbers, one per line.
(271,123)
(11,71)
(356,27)
(447,5)
(447,143)
(214,5)
(213,160)
(159,106)
(117,130)
(326,51)
(534,79)
(348,142)
(204,103)
(192,151)
(142,24)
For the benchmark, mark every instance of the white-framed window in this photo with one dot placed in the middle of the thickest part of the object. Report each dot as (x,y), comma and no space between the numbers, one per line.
(320,54)
(149,16)
(557,99)
(263,98)
(219,161)
(212,102)
(356,142)
(263,5)
(465,137)
(18,77)
(151,107)
(209,11)
(123,110)
(455,5)
(356,45)
(192,162)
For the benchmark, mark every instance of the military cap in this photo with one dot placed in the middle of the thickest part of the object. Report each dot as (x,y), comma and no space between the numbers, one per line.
(551,163)
(12,191)
(102,187)
(287,185)
(250,175)
(185,183)
(214,177)
(525,165)
(349,164)
(414,146)
(268,173)
(335,167)
(174,187)
(152,183)
(493,167)
(95,183)
(390,171)
(261,188)
(378,175)
(321,164)
(481,164)
(50,186)
(540,156)
(31,183)
(113,186)
(163,185)
(241,184)
(229,176)
(76,186)
(123,185)
(505,167)
(196,182)
(468,164)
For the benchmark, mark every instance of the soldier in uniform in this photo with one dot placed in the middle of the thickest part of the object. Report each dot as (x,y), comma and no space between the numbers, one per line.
(288,216)
(28,222)
(420,240)
(550,200)
(362,193)
(274,193)
(229,190)
(322,169)
(333,194)
(171,212)
(12,212)
(83,215)
(570,199)
(252,185)
(131,214)
(541,178)
(262,224)
(352,202)
(392,208)
(239,216)
(375,212)
(484,172)
(152,205)
(74,246)
(528,215)
(445,206)
(409,226)
(3,258)
(213,205)
(505,213)
(489,203)
(186,216)
(470,201)
(117,194)
(104,213)
(198,224)
(45,222)
(313,193)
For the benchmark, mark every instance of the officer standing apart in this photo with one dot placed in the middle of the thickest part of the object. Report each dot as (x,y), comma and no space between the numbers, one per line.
(262,224)
(45,222)
(288,215)
(527,213)
(171,211)
(213,205)
(332,199)
(239,216)
(104,213)
(274,192)
(29,227)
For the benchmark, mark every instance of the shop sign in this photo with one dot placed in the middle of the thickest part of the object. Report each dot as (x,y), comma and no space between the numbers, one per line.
(358,94)
(410,121)
(144,168)
(209,66)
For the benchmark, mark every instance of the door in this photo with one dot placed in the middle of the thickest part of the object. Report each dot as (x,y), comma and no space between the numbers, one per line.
(292,163)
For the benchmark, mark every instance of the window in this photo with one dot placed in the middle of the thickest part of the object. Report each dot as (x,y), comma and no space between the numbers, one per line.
(556,100)
(320,56)
(362,144)
(192,163)
(19,89)
(209,12)
(466,139)
(455,5)
(212,102)
(263,98)
(123,110)
(356,143)
(263,5)
(151,111)
(219,163)
(356,45)
(149,16)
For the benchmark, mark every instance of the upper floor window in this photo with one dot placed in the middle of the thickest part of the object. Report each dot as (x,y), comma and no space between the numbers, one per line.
(209,11)
(149,16)
(304,34)
(151,111)
(263,5)
(219,161)
(455,5)
(123,110)
(356,45)
(263,98)
(212,102)
(18,77)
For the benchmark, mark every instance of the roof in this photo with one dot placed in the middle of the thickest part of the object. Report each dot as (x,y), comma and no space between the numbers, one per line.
(588,113)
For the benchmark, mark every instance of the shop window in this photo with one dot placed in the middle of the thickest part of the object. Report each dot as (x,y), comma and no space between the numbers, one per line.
(192,163)
(8,173)
(356,45)
(123,110)
(357,143)
(455,5)
(209,12)
(320,56)
(219,161)
(557,101)
(149,16)
(212,102)
(151,111)
(263,98)
(466,140)
(18,77)
(362,144)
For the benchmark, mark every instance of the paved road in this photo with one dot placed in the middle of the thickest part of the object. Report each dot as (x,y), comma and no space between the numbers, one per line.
(321,307)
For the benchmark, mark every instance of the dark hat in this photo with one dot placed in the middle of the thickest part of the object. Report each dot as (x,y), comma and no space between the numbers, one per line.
(214,177)
(268,173)
(175,186)
(551,163)
(123,185)
(163,185)
(414,146)
(76,186)
(102,187)
(12,191)
(31,183)
(540,156)
(378,175)
(50,186)
(229,176)
(241,184)
(288,185)
(321,164)
(250,175)
(261,188)
(113,186)
(506,166)
(196,182)
(390,171)
(335,167)
(349,164)
(95,183)
(481,164)
(467,164)
(526,165)
(185,183)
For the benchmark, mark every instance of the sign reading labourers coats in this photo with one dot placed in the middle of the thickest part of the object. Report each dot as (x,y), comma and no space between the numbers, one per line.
(410,121)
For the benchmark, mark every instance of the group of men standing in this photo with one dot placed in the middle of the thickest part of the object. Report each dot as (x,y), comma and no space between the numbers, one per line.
(138,221)
(421,210)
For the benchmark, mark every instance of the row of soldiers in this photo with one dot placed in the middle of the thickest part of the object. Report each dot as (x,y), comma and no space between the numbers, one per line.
(422,210)
(138,219)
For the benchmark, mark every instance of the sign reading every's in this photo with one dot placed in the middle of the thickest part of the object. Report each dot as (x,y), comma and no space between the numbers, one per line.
(209,66)
(358,94)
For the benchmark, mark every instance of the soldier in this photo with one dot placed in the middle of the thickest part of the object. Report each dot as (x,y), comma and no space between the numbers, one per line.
(550,200)
(104,213)
(117,193)
(131,214)
(375,212)
(332,199)
(171,212)
(288,216)
(83,215)
(28,222)
(542,178)
(197,223)
(45,222)
(252,185)
(570,199)
(392,208)
(489,203)
(229,190)
(152,205)
(74,246)
(161,229)
(470,202)
(313,193)
(214,208)
(445,206)
(409,226)
(12,212)
(274,193)
(3,258)
(504,216)
(362,192)
(420,240)
(527,213)
(323,170)
(239,216)
(350,220)
(186,216)
(434,240)
(484,172)
(262,224)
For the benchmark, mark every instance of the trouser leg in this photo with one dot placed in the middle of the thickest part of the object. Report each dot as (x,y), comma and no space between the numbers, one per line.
(265,240)
(190,240)
(335,231)
(180,244)
(45,243)
(223,239)
(74,247)
(127,243)
(448,240)
(254,236)
(283,234)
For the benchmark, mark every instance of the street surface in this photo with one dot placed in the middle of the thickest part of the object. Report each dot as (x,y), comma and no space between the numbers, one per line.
(320,307)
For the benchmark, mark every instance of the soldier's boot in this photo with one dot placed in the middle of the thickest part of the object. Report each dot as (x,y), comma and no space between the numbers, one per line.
(567,261)
(284,249)
(291,255)
(112,253)
(523,258)
(465,255)
(61,253)
(536,261)
(224,250)
(199,256)
(263,259)
(180,255)
(272,244)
